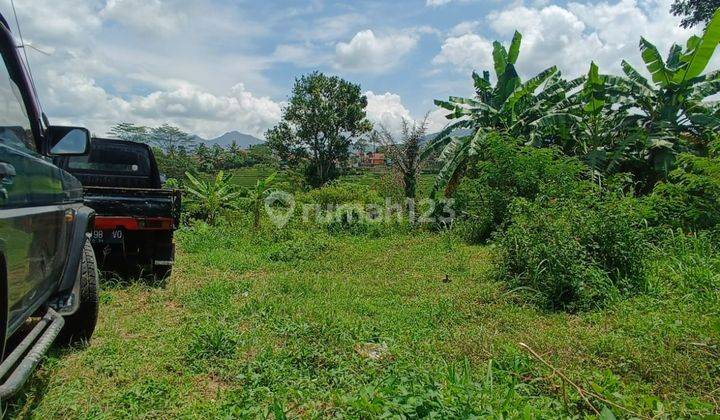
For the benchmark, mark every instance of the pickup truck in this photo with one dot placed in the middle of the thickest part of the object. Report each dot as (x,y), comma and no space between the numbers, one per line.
(48,273)
(136,217)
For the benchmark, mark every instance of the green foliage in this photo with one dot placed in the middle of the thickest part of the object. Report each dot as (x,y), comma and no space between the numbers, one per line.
(510,107)
(320,142)
(207,199)
(176,162)
(594,124)
(504,172)
(572,255)
(614,124)
(256,197)
(236,333)
(166,137)
(694,11)
(341,193)
(674,108)
(404,153)
(300,246)
(689,199)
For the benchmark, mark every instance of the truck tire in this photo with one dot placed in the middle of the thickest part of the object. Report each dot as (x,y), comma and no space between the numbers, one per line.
(79,327)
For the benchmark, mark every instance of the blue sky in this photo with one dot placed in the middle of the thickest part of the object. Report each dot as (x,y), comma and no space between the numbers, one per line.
(215,66)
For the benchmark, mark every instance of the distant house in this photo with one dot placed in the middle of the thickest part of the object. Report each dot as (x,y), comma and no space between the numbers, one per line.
(376,159)
(367,159)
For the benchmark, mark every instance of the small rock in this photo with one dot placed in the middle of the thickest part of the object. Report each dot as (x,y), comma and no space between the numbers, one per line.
(373,351)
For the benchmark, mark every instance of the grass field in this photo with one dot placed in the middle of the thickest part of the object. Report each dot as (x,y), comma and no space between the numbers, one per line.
(302,323)
(246,177)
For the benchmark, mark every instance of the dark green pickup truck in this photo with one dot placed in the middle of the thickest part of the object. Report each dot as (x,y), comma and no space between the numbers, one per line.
(48,274)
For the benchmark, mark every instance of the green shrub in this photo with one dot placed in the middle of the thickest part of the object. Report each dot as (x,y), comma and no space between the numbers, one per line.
(301,246)
(690,198)
(506,171)
(336,193)
(574,256)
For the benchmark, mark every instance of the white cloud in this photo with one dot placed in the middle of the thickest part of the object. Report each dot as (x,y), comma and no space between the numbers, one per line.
(186,106)
(466,27)
(368,52)
(465,52)
(388,110)
(436,3)
(148,16)
(302,55)
(107,66)
(332,28)
(436,120)
(45,20)
(570,37)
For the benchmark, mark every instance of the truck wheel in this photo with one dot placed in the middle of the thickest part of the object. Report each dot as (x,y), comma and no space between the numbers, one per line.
(81,325)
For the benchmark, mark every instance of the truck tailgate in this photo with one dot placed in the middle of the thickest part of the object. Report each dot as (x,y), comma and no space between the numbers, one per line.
(133,202)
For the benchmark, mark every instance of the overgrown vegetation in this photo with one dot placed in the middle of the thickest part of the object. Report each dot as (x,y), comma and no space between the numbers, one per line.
(307,322)
(578,278)
(574,180)
(615,124)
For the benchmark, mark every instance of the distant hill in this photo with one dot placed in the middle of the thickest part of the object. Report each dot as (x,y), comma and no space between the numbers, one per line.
(243,141)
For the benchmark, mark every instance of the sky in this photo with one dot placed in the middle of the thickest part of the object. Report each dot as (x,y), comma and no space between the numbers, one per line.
(212,66)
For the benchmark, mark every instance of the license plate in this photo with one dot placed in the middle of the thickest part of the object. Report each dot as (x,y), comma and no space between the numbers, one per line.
(107,236)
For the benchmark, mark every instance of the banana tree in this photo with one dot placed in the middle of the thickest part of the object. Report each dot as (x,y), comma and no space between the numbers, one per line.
(256,197)
(595,124)
(673,104)
(508,107)
(209,198)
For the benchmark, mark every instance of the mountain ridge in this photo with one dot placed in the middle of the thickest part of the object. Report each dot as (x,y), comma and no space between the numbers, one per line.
(243,141)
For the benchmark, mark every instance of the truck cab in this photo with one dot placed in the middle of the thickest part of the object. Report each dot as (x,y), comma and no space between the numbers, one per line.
(48,275)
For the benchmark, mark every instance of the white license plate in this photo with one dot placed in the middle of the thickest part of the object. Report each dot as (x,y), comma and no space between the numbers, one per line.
(107,236)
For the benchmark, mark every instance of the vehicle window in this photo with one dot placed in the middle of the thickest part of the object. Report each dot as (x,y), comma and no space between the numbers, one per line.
(14,123)
(117,159)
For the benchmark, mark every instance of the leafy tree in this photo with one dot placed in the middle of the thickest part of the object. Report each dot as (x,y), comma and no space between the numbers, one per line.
(326,114)
(175,164)
(129,131)
(694,11)
(510,107)
(404,153)
(166,137)
(209,198)
(260,154)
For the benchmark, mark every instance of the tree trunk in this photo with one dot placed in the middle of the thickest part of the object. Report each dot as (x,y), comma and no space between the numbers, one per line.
(256,216)
(409,182)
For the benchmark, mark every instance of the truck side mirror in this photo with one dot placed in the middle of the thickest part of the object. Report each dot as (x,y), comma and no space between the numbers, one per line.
(68,141)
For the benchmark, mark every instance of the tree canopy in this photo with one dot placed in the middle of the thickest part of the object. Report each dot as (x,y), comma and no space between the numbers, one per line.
(325,115)
(694,11)
(165,137)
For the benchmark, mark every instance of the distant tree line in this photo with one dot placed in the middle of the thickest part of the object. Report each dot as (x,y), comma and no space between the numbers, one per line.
(177,151)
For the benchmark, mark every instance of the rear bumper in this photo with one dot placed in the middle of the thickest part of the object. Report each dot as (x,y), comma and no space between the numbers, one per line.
(134,223)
